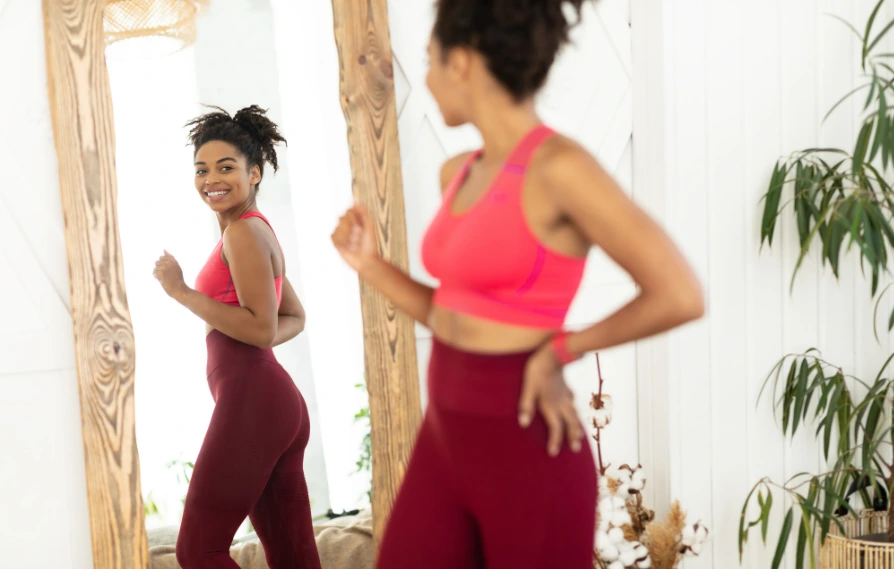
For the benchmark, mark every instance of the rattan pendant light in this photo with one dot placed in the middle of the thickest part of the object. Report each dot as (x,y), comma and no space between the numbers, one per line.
(174,20)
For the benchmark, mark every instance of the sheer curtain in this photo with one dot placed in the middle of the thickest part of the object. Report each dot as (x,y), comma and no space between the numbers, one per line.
(153,96)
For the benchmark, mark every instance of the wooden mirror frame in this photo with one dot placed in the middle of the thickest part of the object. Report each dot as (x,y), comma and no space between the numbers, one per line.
(81,108)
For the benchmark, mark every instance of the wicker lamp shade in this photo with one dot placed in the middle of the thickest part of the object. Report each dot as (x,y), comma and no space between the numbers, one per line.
(172,19)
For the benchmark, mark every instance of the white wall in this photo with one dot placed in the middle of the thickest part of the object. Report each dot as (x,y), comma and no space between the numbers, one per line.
(43,497)
(737,86)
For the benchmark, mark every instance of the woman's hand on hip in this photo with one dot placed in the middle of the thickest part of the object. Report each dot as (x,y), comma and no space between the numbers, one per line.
(544,391)
(170,275)
(355,239)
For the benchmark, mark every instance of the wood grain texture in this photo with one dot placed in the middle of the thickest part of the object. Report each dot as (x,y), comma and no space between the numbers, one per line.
(367,98)
(81,107)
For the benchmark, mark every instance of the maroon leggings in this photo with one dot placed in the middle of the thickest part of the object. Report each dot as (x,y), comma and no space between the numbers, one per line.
(251,464)
(480,491)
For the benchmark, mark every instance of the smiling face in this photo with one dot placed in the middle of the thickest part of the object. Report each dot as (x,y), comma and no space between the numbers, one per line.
(223,177)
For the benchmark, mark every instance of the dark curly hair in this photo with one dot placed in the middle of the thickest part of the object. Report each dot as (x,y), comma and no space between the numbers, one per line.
(249,130)
(518,38)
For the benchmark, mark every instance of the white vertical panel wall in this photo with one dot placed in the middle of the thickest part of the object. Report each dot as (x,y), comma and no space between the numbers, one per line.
(43,493)
(739,85)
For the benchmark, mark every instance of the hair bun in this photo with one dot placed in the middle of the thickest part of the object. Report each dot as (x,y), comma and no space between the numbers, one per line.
(519,38)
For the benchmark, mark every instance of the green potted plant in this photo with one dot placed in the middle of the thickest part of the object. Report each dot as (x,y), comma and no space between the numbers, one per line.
(842,200)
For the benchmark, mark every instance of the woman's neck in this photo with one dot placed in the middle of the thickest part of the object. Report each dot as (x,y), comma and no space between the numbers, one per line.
(502,124)
(225,218)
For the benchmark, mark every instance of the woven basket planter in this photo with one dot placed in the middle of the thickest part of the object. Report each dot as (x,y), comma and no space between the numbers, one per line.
(845,552)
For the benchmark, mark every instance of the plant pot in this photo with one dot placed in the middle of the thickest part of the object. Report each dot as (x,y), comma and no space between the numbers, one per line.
(864,545)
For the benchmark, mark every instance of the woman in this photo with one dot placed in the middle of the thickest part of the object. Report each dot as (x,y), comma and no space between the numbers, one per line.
(500,476)
(251,461)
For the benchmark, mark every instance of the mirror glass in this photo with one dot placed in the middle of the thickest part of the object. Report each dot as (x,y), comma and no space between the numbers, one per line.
(237,61)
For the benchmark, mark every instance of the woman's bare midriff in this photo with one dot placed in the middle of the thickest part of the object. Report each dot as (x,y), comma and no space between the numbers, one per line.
(473,334)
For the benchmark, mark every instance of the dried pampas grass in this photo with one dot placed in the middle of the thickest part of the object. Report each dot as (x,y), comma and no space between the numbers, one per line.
(662,539)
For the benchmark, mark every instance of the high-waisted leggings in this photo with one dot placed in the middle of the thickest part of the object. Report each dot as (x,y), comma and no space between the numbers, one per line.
(481,492)
(251,464)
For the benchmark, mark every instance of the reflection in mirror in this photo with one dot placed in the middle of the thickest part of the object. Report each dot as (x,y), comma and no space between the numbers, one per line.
(163,206)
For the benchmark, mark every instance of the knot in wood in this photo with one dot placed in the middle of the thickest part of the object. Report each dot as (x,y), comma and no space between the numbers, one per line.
(113,345)
(387,69)
(361,60)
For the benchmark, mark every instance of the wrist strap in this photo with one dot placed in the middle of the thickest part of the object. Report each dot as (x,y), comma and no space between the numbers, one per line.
(559,346)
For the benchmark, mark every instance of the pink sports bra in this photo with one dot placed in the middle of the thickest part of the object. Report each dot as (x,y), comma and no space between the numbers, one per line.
(489,262)
(215,280)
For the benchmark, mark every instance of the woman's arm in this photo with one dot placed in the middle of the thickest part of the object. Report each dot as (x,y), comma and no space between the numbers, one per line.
(249,258)
(408,295)
(355,239)
(670,294)
(291,317)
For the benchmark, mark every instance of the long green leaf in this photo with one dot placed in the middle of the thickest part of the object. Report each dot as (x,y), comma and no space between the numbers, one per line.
(862,146)
(848,24)
(743,532)
(771,205)
(880,36)
(881,125)
(837,232)
(866,48)
(765,515)
(800,394)
(783,540)
(874,84)
(789,397)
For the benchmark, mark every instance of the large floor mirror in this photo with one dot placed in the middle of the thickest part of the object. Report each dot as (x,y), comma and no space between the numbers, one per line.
(142,443)
(324,70)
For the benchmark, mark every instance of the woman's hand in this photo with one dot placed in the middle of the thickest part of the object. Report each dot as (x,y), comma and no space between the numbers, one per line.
(355,239)
(170,275)
(544,390)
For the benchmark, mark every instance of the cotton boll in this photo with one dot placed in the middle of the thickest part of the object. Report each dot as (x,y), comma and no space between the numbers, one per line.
(605,524)
(616,535)
(609,554)
(628,558)
(624,490)
(624,476)
(602,418)
(606,508)
(619,503)
(644,564)
(621,519)
(641,551)
(701,534)
(639,475)
(696,549)
(604,490)
(616,565)
(637,485)
(607,403)
(688,536)
(626,546)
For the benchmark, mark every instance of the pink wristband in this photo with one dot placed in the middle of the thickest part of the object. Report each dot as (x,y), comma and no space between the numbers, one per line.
(559,345)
